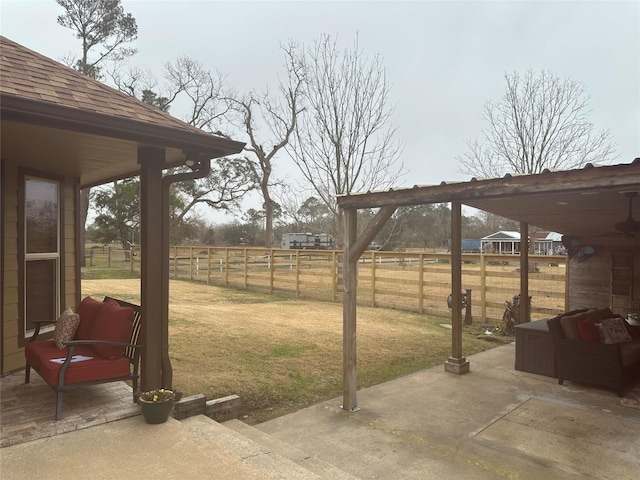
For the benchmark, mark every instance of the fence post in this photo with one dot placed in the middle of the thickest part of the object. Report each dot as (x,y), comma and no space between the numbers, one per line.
(421,284)
(272,268)
(246,268)
(226,267)
(175,262)
(208,265)
(190,263)
(373,278)
(297,273)
(334,275)
(483,287)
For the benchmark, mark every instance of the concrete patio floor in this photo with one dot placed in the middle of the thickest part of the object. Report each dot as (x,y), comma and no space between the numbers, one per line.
(493,422)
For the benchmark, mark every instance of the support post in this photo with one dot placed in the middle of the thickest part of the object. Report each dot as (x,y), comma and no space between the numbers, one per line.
(350,275)
(456,362)
(525,307)
(151,299)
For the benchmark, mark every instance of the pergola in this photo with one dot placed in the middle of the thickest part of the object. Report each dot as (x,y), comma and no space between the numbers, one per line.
(584,203)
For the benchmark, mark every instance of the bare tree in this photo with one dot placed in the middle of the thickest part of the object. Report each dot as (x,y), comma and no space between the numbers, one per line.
(343,140)
(540,122)
(104,26)
(279,112)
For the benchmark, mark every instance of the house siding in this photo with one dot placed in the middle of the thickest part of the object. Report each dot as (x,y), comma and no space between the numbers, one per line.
(12,351)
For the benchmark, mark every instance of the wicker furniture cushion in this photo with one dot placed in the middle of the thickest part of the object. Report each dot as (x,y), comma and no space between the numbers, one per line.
(612,330)
(66,327)
(114,323)
(588,331)
(88,311)
(570,325)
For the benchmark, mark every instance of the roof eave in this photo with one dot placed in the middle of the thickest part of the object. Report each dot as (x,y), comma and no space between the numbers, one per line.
(49,114)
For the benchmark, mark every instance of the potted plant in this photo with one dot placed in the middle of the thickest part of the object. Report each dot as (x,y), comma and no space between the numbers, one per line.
(156,405)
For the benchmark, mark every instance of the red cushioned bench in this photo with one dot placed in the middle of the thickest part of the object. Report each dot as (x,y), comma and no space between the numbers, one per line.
(104,347)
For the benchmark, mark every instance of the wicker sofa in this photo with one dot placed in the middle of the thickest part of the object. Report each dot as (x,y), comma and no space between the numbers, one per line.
(582,356)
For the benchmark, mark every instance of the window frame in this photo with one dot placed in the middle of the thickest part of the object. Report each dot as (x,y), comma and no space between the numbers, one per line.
(23,257)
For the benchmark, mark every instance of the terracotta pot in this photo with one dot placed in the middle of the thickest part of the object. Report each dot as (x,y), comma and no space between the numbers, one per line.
(156,412)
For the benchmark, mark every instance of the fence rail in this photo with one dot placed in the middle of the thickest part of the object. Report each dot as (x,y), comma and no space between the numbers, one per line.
(412,281)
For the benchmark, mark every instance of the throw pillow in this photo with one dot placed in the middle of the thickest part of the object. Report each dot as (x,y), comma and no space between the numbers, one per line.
(588,331)
(113,323)
(614,331)
(66,327)
(88,311)
(570,325)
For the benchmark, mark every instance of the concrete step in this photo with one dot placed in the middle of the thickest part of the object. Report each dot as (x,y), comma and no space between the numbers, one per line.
(257,456)
(323,469)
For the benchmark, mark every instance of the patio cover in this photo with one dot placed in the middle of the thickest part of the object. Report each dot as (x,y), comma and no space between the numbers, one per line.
(584,203)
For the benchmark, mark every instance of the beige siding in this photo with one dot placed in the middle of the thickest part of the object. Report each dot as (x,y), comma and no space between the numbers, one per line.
(11,352)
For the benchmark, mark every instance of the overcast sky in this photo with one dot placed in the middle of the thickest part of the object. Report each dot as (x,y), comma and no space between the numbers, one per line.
(443,59)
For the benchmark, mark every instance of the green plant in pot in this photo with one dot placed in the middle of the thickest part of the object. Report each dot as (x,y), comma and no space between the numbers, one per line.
(156,405)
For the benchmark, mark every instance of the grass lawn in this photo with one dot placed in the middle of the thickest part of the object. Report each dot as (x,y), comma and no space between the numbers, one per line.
(281,354)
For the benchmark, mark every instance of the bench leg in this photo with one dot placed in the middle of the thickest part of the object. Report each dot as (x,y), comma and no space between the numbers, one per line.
(59,405)
(27,373)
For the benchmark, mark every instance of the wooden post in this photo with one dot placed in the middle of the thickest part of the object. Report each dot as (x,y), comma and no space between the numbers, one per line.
(272,269)
(456,363)
(349,281)
(524,273)
(373,279)
(191,264)
(226,267)
(246,268)
(208,265)
(297,273)
(151,278)
(483,287)
(334,276)
(421,285)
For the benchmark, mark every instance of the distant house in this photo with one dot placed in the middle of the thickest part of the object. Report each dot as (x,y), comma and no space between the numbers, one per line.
(503,242)
(506,242)
(549,243)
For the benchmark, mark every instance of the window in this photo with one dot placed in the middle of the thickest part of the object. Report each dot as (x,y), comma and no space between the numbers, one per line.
(41,247)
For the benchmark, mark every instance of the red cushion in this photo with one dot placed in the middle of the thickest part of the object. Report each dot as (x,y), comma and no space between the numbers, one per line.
(39,354)
(88,311)
(114,323)
(588,331)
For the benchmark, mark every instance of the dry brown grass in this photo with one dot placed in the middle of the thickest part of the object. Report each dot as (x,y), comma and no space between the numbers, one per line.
(280,354)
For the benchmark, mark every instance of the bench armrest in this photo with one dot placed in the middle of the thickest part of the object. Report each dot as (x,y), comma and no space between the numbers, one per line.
(39,324)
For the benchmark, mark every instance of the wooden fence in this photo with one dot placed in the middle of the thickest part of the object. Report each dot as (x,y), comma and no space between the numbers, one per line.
(410,281)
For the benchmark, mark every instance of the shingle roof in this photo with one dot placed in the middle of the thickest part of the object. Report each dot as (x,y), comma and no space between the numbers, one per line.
(28,74)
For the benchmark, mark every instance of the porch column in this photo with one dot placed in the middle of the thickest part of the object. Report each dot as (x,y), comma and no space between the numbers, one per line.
(525,308)
(350,276)
(456,362)
(151,289)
